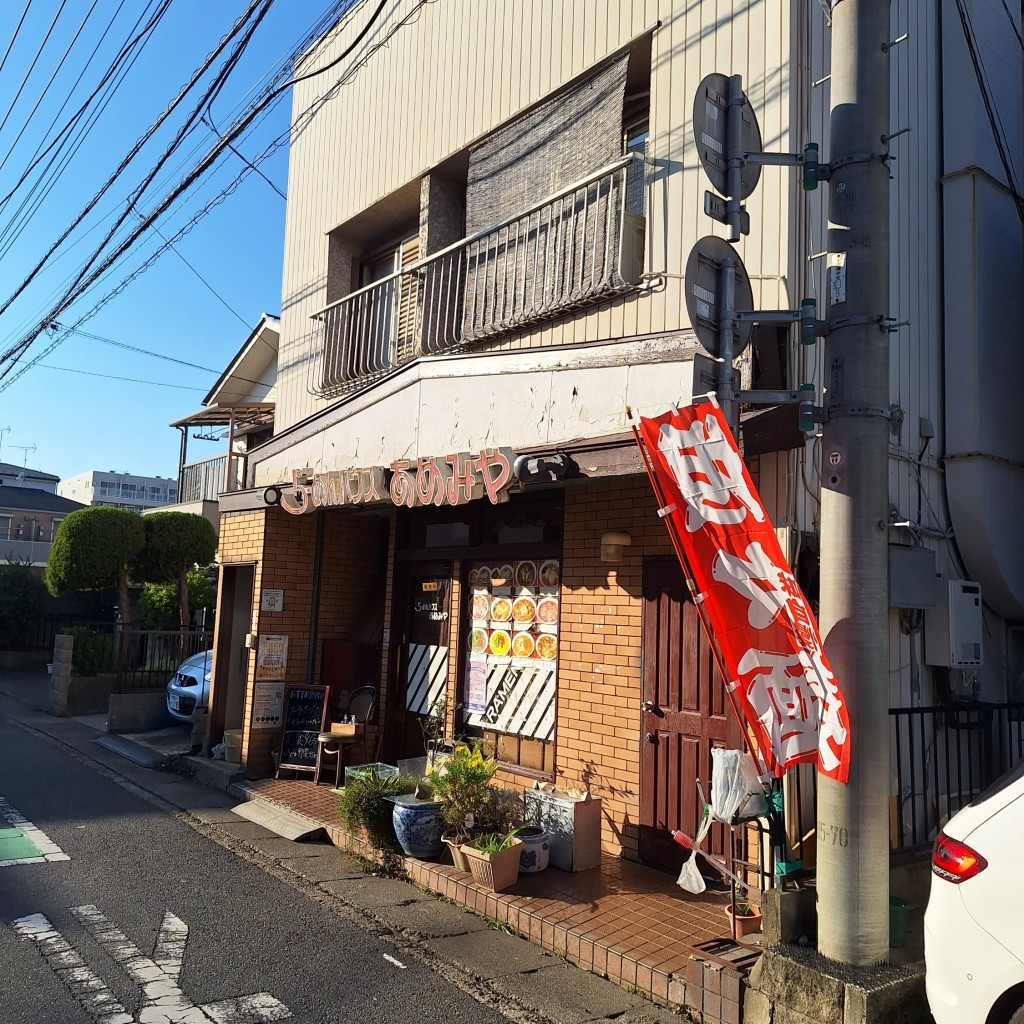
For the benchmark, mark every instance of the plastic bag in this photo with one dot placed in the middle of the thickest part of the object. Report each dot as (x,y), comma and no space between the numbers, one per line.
(736,790)
(690,877)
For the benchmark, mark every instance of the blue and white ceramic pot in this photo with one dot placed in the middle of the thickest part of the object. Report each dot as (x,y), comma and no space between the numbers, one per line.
(534,853)
(418,826)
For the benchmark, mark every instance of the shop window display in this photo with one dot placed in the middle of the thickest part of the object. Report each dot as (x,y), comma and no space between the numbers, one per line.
(511,665)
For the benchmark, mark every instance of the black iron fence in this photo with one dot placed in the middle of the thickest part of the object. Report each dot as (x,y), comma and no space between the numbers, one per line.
(944,757)
(140,658)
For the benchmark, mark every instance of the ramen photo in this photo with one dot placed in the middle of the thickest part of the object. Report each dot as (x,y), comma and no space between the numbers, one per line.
(501,643)
(522,645)
(526,574)
(547,611)
(474,577)
(481,605)
(547,646)
(549,575)
(501,609)
(524,609)
(477,641)
(501,576)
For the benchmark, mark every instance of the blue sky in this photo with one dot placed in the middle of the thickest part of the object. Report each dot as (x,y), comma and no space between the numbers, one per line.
(75,419)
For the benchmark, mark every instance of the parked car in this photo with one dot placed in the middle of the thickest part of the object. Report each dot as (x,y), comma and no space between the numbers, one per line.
(189,687)
(973,932)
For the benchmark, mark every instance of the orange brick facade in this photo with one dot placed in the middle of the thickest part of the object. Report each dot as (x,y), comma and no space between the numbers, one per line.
(597,741)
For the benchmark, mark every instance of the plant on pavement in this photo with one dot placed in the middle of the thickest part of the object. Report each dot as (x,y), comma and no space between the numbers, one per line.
(365,807)
(462,784)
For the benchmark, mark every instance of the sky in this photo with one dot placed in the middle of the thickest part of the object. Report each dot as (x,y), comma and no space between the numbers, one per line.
(200,300)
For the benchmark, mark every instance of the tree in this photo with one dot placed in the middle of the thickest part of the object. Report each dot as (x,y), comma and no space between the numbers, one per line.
(94,548)
(175,543)
(22,598)
(158,602)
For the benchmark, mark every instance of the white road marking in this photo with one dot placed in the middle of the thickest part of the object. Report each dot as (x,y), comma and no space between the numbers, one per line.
(392,960)
(49,850)
(163,1001)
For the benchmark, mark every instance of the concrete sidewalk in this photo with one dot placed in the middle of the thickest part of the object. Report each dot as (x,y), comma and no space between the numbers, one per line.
(513,975)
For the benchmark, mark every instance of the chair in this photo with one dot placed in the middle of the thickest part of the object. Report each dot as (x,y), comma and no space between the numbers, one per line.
(332,744)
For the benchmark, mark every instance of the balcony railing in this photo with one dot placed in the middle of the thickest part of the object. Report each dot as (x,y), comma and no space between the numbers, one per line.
(576,248)
(205,480)
(34,552)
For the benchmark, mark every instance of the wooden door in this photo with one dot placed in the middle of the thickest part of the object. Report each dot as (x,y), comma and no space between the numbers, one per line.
(685,713)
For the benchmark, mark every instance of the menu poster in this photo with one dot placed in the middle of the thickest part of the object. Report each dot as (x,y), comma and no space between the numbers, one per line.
(272,658)
(476,685)
(267,705)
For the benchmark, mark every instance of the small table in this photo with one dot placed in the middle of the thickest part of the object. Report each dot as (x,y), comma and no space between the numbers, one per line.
(333,744)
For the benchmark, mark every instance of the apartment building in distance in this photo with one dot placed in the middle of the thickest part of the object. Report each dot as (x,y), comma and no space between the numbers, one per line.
(490,211)
(119,490)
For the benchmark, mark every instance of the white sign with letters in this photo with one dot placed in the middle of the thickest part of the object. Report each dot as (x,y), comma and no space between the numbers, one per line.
(271,600)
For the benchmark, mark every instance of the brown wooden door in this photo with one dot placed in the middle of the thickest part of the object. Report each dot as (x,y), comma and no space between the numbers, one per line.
(686,712)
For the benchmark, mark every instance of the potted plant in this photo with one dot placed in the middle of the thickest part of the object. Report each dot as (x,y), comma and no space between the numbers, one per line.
(494,860)
(365,807)
(462,786)
(744,916)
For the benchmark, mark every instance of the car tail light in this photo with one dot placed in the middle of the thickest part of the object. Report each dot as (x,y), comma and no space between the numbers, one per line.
(955,861)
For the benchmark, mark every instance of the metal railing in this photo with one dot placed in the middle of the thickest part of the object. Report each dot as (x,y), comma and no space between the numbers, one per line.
(578,247)
(34,552)
(146,658)
(205,480)
(945,756)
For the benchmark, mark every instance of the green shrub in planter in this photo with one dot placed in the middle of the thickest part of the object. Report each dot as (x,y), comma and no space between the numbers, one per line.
(365,806)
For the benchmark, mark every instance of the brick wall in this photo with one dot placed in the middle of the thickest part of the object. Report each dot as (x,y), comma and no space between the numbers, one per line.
(599,670)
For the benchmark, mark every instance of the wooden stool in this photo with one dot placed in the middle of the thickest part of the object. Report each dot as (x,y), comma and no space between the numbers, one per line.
(332,744)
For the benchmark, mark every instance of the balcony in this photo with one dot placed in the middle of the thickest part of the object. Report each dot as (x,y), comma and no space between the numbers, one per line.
(574,249)
(206,479)
(32,552)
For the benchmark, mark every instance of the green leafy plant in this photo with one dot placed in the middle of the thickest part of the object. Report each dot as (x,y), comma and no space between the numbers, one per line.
(94,548)
(92,651)
(365,807)
(22,599)
(462,785)
(175,542)
(158,602)
(493,842)
(743,908)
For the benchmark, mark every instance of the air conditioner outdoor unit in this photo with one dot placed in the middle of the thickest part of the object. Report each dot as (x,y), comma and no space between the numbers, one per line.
(631,255)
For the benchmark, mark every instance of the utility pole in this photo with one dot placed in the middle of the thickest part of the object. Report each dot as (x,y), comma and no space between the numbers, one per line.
(853,819)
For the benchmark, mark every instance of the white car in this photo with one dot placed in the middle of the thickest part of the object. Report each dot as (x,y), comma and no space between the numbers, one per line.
(973,929)
(188,690)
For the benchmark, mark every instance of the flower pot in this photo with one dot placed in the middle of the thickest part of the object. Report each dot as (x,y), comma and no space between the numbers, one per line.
(418,826)
(458,857)
(536,848)
(495,871)
(744,924)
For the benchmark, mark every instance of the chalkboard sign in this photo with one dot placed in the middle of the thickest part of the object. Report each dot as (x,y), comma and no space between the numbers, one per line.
(305,712)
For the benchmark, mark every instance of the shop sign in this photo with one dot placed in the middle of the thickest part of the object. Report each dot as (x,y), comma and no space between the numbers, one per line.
(778,676)
(267,704)
(272,658)
(437,480)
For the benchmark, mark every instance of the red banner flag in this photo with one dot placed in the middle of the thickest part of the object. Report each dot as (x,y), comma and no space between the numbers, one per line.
(774,664)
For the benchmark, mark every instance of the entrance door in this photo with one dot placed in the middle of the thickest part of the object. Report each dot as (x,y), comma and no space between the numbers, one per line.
(686,712)
(231,670)
(422,669)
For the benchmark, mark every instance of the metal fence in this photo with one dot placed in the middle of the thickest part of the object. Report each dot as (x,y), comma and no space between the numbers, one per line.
(205,480)
(570,250)
(945,756)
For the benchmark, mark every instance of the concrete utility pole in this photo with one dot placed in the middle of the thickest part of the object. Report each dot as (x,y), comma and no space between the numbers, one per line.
(853,820)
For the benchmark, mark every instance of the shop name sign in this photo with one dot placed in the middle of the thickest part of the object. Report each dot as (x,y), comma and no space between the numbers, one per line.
(407,483)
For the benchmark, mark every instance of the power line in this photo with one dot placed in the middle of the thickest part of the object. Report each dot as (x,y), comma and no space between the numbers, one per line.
(132,154)
(131,348)
(7,52)
(1013,25)
(110,376)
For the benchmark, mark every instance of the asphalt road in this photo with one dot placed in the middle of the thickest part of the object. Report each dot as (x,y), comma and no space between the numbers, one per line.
(241,944)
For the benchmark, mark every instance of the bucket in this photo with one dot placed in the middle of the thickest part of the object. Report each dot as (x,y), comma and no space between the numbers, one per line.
(897,922)
(535,850)
(233,745)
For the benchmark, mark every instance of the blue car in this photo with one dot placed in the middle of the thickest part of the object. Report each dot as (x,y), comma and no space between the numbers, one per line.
(188,690)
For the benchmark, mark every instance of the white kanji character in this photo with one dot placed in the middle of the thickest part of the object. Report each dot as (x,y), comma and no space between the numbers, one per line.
(709,472)
(757,579)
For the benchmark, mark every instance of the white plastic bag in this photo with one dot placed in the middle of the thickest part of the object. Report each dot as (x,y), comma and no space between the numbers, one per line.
(736,790)
(690,877)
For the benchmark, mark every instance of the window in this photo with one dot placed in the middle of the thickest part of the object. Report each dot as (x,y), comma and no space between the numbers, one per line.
(5,527)
(127,490)
(511,664)
(54,523)
(108,488)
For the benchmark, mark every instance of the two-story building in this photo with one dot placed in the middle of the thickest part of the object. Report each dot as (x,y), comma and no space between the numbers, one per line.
(490,211)
(29,517)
